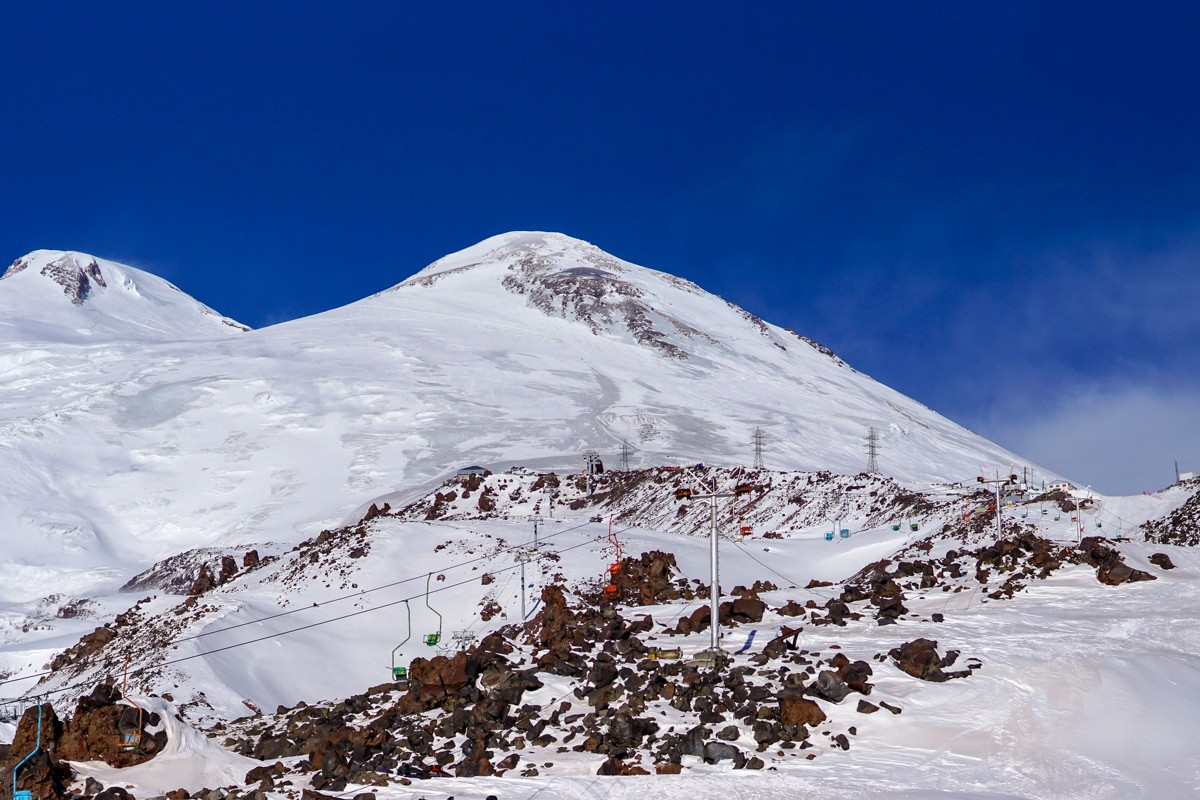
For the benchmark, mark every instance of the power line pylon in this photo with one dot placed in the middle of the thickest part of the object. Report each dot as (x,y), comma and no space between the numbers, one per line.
(758,448)
(625,451)
(872,451)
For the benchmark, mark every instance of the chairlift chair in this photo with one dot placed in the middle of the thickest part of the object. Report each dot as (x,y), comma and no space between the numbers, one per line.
(130,729)
(895,526)
(845,533)
(829,536)
(399,673)
(27,794)
(130,724)
(912,526)
(432,639)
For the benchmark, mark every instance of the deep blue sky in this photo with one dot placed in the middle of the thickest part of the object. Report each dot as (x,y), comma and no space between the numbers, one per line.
(993,208)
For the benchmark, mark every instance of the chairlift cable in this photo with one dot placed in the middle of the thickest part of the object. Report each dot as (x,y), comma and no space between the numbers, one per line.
(361,592)
(762,564)
(202,634)
(280,634)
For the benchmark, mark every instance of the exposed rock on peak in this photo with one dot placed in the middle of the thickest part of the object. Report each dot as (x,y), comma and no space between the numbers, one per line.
(73,271)
(107,300)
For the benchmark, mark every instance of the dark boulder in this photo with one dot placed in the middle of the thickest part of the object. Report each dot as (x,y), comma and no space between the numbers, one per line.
(720,751)
(1162,561)
(828,686)
(920,659)
(796,709)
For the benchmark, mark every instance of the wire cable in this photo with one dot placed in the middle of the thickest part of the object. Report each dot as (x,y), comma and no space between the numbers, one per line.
(593,540)
(361,592)
(278,634)
(181,640)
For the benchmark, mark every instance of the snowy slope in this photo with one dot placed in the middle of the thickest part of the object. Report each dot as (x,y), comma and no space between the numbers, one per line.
(138,424)
(62,296)
(1085,690)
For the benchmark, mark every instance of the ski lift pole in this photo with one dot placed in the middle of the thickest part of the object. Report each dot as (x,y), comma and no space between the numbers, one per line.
(714,592)
(998,483)
(521,558)
(1079,515)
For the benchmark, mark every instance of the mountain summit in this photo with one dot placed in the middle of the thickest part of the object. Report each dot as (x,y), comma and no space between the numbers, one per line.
(576,281)
(572,279)
(526,322)
(59,295)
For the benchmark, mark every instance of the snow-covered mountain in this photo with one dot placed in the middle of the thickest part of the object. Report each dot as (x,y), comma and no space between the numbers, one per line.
(157,431)
(166,426)
(61,296)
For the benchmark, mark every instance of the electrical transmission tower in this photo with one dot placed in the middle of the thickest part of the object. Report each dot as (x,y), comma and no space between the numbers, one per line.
(758,448)
(872,451)
(625,451)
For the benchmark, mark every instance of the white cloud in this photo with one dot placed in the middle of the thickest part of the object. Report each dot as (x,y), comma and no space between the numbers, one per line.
(1119,439)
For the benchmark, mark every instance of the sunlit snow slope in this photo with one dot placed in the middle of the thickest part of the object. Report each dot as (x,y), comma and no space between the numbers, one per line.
(57,296)
(136,423)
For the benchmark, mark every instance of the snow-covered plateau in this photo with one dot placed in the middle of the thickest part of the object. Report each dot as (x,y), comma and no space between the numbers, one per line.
(246,533)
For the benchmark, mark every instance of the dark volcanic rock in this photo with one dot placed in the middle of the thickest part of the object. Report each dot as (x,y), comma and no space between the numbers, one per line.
(920,659)
(1162,561)
(796,709)
(1111,568)
(828,686)
(719,751)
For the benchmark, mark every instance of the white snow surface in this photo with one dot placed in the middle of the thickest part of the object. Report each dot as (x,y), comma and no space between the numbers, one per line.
(1085,690)
(122,444)
(139,423)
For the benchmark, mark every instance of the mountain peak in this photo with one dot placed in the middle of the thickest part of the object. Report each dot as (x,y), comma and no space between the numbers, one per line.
(517,246)
(75,272)
(69,295)
(571,279)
